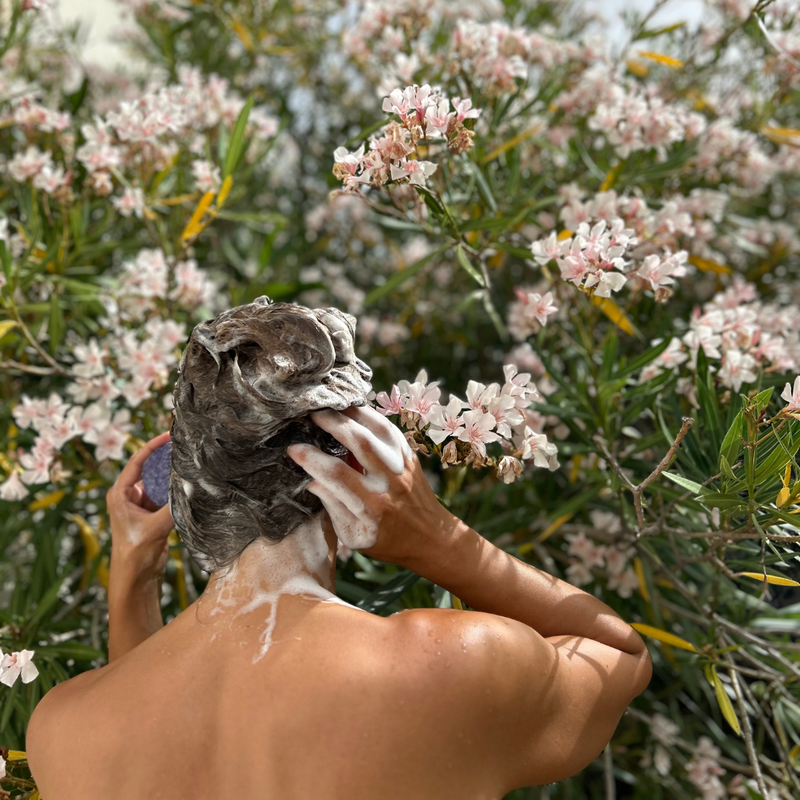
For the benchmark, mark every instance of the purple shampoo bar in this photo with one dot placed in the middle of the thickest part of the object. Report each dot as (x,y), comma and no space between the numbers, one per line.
(155,474)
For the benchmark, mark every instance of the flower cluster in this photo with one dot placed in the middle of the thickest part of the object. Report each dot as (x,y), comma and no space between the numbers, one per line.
(16,665)
(529,312)
(704,770)
(492,413)
(632,121)
(586,553)
(139,138)
(592,258)
(425,116)
(740,332)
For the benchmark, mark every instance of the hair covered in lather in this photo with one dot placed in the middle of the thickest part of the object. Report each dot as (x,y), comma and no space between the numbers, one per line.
(247,381)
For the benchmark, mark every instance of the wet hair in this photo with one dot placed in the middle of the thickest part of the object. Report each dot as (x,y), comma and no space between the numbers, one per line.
(247,381)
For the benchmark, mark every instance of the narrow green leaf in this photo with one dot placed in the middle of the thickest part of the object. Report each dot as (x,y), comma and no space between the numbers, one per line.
(389,592)
(732,443)
(402,275)
(236,143)
(483,188)
(685,482)
(467,266)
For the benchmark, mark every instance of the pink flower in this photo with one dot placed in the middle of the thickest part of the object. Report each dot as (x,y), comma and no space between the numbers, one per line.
(423,399)
(464,109)
(445,421)
(478,430)
(792,395)
(13,488)
(131,202)
(15,664)
(416,171)
(390,404)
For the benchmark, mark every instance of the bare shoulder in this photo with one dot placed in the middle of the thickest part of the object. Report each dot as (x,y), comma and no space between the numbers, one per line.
(540,709)
(48,733)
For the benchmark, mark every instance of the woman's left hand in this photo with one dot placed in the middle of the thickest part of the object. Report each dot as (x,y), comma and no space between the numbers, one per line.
(139,528)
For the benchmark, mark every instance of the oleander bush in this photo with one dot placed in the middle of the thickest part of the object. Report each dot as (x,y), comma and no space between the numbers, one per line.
(575,264)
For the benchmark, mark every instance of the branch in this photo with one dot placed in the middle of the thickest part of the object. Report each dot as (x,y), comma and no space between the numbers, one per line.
(747,731)
(638,490)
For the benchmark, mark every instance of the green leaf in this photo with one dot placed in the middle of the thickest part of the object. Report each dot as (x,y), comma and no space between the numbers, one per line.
(236,144)
(732,443)
(483,187)
(659,31)
(467,266)
(389,592)
(494,316)
(725,468)
(685,482)
(643,360)
(55,329)
(402,275)
(725,501)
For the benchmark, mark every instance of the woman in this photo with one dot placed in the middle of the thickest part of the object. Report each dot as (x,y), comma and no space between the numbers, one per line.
(268,686)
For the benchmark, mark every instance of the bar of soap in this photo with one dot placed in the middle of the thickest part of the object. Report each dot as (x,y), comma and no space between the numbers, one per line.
(155,474)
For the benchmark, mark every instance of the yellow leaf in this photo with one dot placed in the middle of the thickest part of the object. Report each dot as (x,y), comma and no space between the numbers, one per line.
(574,473)
(663,636)
(637,68)
(224,191)
(787,475)
(614,313)
(457,603)
(48,500)
(611,177)
(512,142)
(668,61)
(88,485)
(193,227)
(724,701)
(177,200)
(794,754)
(244,35)
(180,576)
(706,265)
(91,546)
(7,325)
(554,526)
(17,755)
(565,234)
(776,579)
(790,136)
(639,570)
(784,495)
(150,214)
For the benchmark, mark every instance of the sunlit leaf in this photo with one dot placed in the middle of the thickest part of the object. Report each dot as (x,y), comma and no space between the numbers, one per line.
(663,636)
(776,579)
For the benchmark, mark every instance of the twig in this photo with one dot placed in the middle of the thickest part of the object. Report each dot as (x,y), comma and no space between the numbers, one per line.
(638,490)
(608,770)
(747,730)
(11,364)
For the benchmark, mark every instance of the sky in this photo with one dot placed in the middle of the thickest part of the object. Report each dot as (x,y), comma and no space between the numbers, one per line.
(102,16)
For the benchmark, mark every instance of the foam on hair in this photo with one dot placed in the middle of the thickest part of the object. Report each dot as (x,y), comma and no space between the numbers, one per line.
(247,381)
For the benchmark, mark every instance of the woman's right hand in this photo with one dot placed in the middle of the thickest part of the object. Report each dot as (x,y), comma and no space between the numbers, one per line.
(390,512)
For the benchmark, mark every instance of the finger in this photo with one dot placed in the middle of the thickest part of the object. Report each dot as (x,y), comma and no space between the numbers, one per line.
(350,530)
(372,452)
(162,520)
(336,476)
(132,471)
(380,426)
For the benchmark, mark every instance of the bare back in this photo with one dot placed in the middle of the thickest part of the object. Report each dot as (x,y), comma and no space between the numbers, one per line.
(336,709)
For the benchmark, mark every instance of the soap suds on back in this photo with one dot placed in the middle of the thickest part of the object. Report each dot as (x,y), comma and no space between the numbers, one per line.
(267,571)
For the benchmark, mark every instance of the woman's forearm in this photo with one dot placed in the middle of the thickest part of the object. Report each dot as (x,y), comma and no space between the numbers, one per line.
(488,579)
(134,611)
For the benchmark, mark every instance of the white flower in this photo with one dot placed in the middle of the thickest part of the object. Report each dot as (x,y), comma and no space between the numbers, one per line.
(792,395)
(445,421)
(478,430)
(14,665)
(131,202)
(13,488)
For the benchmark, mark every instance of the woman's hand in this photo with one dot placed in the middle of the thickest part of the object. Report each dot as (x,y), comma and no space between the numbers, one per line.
(390,511)
(139,528)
